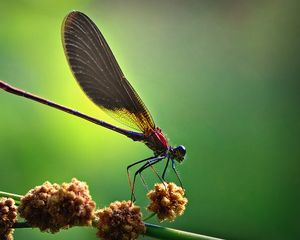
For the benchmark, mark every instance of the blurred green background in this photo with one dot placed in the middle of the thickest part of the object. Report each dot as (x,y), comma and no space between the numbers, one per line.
(220,77)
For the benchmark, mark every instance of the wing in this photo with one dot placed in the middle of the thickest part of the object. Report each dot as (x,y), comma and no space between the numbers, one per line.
(98,73)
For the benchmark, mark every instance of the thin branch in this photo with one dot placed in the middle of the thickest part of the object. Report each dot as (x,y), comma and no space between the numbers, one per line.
(15,197)
(169,233)
(154,231)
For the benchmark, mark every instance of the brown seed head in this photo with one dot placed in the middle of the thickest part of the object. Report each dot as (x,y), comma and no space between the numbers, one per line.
(34,207)
(72,205)
(167,201)
(120,221)
(51,207)
(8,216)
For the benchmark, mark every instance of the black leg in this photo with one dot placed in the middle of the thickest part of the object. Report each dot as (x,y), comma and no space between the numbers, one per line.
(146,165)
(135,163)
(142,178)
(150,162)
(128,174)
(164,172)
(173,167)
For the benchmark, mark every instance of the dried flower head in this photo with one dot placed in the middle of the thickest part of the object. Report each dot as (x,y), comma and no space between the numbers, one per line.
(72,205)
(167,201)
(8,216)
(120,221)
(51,207)
(34,206)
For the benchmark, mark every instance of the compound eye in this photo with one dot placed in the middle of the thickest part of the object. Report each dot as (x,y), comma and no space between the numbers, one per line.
(180,152)
(181,149)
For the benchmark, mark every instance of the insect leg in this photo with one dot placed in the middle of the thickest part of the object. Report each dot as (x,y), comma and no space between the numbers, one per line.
(128,175)
(177,175)
(149,163)
(164,172)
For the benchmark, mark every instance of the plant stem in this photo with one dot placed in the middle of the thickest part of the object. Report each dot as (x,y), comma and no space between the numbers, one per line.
(155,231)
(169,233)
(15,197)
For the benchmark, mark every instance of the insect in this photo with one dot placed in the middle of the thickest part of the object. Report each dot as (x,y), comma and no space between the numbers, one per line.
(99,75)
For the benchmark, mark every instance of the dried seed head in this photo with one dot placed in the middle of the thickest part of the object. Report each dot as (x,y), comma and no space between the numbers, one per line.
(167,201)
(34,207)
(51,207)
(8,216)
(72,205)
(120,221)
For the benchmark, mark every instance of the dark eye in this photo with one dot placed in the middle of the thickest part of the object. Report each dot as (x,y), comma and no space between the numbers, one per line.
(180,152)
(181,149)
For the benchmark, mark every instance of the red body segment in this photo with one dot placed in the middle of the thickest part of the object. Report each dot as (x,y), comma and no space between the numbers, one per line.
(157,141)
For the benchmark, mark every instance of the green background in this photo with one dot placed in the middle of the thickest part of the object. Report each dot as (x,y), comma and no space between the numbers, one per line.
(220,77)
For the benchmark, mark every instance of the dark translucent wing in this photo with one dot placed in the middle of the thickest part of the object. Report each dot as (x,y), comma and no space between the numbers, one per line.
(98,73)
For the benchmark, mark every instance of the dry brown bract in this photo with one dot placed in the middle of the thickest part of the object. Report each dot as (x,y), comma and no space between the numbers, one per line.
(167,201)
(8,216)
(51,207)
(120,221)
